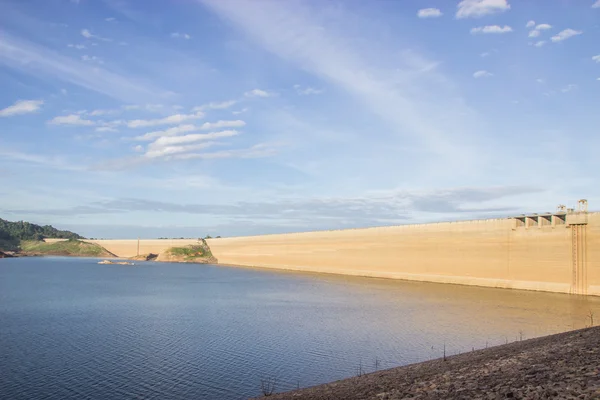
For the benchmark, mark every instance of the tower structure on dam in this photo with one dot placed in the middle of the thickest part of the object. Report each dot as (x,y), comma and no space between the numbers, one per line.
(575,221)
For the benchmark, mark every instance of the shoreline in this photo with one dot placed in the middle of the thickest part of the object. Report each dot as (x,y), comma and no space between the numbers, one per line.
(564,365)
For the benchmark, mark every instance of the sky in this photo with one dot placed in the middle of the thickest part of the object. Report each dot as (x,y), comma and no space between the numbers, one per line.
(182,118)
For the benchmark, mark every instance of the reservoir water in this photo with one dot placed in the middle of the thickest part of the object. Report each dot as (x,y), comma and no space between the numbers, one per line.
(73,329)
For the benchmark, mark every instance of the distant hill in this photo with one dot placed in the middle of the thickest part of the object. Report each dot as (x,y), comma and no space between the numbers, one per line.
(12,233)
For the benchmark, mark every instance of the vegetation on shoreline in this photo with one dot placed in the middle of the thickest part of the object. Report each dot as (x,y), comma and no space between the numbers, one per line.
(71,247)
(13,233)
(199,253)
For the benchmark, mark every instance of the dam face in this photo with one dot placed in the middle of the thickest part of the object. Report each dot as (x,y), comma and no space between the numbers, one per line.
(557,252)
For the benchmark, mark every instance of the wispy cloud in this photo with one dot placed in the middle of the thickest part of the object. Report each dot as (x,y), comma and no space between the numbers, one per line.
(568,88)
(77,46)
(307,90)
(106,129)
(290,30)
(596,58)
(215,105)
(91,59)
(110,19)
(21,107)
(540,43)
(88,35)
(45,63)
(259,93)
(482,74)
(73,119)
(596,4)
(491,29)
(393,206)
(565,34)
(530,24)
(170,120)
(480,8)
(429,13)
(179,35)
(190,128)
(174,145)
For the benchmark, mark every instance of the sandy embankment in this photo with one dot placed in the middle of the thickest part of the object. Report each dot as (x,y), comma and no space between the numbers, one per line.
(129,247)
(565,366)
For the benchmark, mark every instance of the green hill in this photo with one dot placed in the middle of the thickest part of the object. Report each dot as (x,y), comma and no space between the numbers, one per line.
(71,247)
(12,233)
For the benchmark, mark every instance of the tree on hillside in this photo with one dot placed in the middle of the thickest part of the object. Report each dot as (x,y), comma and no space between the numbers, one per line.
(22,230)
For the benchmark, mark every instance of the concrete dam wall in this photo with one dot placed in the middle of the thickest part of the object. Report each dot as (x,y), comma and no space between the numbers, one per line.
(550,252)
(557,252)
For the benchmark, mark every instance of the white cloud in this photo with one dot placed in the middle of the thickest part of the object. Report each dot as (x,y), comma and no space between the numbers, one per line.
(479,8)
(173,150)
(168,132)
(191,128)
(110,19)
(568,88)
(92,59)
(539,80)
(72,119)
(429,13)
(63,91)
(596,4)
(171,145)
(88,35)
(564,35)
(537,31)
(540,43)
(170,120)
(145,107)
(243,110)
(485,54)
(215,105)
(21,107)
(223,124)
(596,58)
(97,113)
(77,46)
(307,91)
(179,35)
(530,24)
(259,93)
(106,129)
(491,29)
(482,74)
(191,138)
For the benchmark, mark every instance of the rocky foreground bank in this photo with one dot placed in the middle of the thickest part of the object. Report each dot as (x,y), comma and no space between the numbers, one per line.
(562,366)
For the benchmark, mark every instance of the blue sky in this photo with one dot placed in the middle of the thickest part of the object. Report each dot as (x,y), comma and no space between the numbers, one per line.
(123,118)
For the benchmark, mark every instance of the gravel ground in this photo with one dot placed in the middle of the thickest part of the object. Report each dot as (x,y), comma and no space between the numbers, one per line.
(562,366)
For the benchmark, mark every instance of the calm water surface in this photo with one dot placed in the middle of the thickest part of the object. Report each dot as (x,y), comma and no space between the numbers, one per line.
(73,329)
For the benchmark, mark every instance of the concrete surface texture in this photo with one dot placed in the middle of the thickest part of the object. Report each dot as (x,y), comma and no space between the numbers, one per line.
(497,253)
(544,253)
